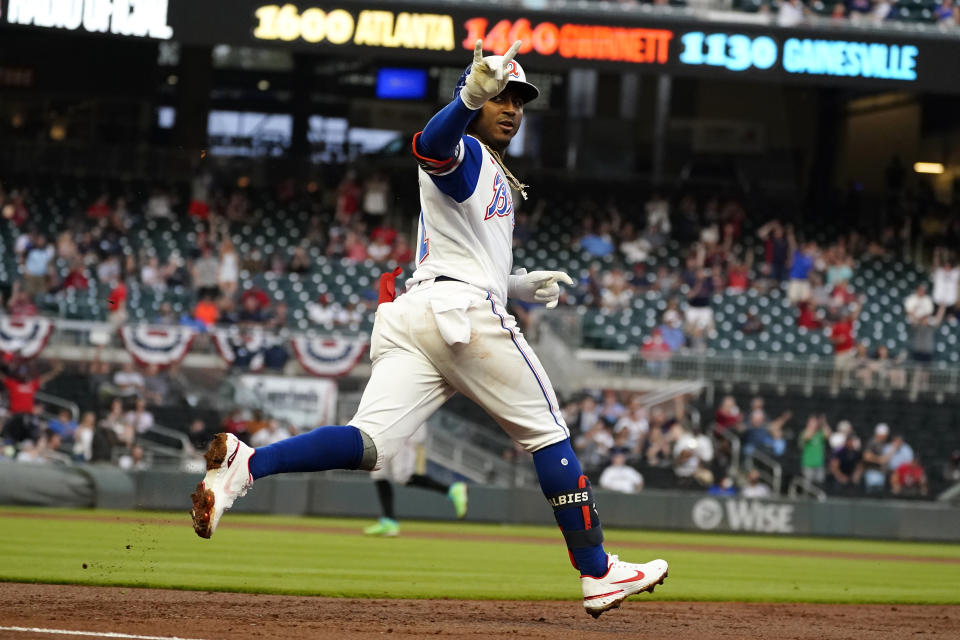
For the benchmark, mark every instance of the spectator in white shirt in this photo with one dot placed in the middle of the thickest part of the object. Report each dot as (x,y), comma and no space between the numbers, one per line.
(791,13)
(632,428)
(322,312)
(140,418)
(129,380)
(755,488)
(151,275)
(619,477)
(946,279)
(273,432)
(918,305)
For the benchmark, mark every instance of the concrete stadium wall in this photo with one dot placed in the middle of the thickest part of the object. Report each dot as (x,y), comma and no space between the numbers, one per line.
(354,496)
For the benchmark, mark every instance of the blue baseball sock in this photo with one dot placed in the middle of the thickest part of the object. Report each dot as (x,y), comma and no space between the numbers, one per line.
(559,473)
(318,450)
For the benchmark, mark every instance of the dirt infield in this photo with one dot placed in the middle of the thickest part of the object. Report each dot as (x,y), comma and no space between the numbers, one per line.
(233,616)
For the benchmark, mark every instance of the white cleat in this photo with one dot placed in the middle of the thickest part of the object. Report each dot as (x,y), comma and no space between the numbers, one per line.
(228,478)
(621,581)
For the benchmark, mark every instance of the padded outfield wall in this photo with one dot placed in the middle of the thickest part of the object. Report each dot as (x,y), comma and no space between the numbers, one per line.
(354,496)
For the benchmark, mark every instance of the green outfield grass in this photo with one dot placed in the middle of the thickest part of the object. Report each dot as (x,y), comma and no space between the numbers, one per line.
(141,549)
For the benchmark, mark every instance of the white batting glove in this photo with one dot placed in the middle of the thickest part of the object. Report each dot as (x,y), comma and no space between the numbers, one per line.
(537,286)
(485,81)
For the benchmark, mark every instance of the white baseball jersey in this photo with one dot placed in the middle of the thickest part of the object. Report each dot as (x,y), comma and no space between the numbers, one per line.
(466,220)
(449,336)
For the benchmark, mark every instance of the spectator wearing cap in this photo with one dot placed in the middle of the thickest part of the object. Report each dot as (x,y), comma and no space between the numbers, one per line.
(618,476)
(874,463)
(671,328)
(838,438)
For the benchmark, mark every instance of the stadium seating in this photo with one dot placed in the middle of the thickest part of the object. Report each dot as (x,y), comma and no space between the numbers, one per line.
(884,283)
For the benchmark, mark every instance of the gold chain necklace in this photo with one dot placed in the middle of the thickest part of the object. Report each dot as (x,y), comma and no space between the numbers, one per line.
(514,183)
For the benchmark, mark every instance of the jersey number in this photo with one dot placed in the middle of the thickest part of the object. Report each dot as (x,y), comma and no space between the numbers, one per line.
(501,205)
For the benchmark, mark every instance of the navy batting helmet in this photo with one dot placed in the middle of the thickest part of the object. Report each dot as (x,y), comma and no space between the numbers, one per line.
(518,79)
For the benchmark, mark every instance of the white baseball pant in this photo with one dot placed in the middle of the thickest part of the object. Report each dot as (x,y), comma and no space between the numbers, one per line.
(443,337)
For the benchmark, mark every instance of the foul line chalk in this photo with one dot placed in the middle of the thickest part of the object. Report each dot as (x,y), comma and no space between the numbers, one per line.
(98,634)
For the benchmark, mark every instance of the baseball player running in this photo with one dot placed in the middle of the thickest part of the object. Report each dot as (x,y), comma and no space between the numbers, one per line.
(450,333)
(408,467)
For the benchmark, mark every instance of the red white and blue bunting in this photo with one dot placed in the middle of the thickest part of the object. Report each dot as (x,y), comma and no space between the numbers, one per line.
(241,348)
(24,338)
(328,357)
(156,345)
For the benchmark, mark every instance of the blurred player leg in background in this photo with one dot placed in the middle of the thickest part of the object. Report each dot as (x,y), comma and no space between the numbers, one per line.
(408,468)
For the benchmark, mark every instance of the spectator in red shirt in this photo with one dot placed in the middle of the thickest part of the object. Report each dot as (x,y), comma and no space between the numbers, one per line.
(841,296)
(22,389)
(738,275)
(99,209)
(844,346)
(355,248)
(728,416)
(348,197)
(909,479)
(117,304)
(263,301)
(402,253)
(808,318)
(656,352)
(75,278)
(15,210)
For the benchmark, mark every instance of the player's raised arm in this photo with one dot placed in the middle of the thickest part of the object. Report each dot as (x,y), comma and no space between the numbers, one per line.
(437,148)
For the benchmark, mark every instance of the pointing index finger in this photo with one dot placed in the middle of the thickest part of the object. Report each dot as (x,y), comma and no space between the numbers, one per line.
(511,52)
(478,51)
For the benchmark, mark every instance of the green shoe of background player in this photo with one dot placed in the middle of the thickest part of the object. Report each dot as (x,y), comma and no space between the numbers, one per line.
(458,496)
(385,527)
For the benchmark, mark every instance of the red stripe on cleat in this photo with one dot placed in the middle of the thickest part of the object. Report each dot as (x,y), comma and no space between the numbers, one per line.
(604,595)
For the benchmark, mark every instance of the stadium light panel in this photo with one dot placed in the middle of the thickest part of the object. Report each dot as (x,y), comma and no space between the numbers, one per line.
(928,167)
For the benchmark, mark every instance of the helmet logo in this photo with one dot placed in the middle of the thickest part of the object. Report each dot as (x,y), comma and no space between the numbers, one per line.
(512,70)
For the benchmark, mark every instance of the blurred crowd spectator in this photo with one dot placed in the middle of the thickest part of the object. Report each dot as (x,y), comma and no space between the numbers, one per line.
(627,445)
(360,227)
(121,429)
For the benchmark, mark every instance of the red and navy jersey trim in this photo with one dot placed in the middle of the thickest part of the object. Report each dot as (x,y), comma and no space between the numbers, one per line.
(431,165)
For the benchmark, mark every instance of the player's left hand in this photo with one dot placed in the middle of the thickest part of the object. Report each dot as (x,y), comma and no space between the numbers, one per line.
(485,81)
(538,286)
